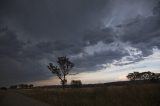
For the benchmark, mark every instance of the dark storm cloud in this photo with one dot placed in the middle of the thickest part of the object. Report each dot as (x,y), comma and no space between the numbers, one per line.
(60,46)
(143,30)
(143,33)
(39,31)
(9,45)
(16,65)
(106,35)
(45,19)
(94,62)
(18,71)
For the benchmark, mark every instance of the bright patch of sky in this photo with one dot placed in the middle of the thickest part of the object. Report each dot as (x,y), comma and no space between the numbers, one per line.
(112,72)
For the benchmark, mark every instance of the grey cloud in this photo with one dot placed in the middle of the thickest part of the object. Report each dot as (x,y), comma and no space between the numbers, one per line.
(38,31)
(156,9)
(43,19)
(106,35)
(93,56)
(9,44)
(19,71)
(144,33)
(15,66)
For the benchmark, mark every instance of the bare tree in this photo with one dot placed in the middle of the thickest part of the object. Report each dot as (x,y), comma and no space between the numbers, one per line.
(63,68)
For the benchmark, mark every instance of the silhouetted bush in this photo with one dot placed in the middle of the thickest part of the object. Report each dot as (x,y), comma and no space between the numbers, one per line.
(31,86)
(76,83)
(25,86)
(143,76)
(13,87)
(3,88)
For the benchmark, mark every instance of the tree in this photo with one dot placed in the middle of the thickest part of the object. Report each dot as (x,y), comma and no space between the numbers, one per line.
(143,76)
(130,76)
(133,76)
(63,68)
(146,75)
(31,86)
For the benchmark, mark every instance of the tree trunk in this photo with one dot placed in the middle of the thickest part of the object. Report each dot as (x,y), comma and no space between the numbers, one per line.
(63,84)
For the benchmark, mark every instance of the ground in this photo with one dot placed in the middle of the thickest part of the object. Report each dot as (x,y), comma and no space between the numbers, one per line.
(112,95)
(11,98)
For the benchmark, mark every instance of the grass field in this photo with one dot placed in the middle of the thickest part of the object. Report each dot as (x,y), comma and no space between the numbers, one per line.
(130,95)
(2,93)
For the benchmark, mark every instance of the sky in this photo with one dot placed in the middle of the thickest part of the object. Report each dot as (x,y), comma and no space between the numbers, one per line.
(105,39)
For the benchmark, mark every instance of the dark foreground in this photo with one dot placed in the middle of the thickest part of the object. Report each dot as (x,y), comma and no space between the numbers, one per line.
(11,98)
(126,95)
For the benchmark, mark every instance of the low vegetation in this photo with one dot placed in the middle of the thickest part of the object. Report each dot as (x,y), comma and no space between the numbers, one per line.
(129,95)
(2,93)
(21,86)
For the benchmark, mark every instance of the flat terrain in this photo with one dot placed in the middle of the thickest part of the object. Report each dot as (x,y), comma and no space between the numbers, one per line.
(147,94)
(10,98)
(129,95)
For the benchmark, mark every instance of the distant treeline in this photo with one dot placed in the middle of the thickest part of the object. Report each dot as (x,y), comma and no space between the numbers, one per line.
(143,76)
(21,86)
(73,84)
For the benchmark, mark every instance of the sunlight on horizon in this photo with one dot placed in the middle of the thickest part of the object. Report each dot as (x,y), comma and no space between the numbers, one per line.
(110,74)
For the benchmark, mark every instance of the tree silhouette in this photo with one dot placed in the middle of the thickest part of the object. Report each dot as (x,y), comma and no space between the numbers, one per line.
(146,75)
(76,83)
(143,76)
(133,76)
(130,76)
(63,68)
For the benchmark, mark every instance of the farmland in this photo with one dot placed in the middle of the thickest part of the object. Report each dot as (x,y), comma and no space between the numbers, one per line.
(126,95)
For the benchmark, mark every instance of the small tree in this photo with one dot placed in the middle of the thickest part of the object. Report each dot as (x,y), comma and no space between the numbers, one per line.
(76,83)
(63,68)
(31,86)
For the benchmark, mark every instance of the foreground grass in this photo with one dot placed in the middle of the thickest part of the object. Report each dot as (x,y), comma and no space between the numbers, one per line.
(136,95)
(2,93)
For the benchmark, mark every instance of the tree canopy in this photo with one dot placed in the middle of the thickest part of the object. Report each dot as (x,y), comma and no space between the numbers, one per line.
(63,68)
(143,76)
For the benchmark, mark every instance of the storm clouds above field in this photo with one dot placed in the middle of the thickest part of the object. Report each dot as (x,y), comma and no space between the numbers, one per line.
(94,34)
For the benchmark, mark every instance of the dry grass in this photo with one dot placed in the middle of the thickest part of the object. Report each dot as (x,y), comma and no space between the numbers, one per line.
(135,95)
(2,93)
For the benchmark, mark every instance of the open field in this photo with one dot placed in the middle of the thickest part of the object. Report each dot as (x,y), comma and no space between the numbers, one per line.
(129,95)
(11,98)
(2,93)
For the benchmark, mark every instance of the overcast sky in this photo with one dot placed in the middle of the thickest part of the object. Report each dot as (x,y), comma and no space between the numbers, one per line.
(106,39)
